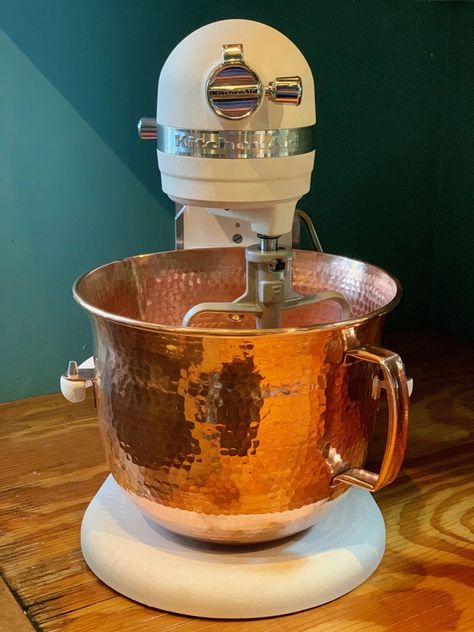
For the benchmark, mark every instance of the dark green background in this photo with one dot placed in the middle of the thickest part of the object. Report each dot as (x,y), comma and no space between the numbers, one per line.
(394,151)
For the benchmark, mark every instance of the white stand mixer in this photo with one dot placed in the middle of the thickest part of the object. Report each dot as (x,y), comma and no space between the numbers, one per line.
(234,133)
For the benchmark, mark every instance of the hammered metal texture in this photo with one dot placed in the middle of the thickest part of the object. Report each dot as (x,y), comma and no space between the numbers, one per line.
(232,436)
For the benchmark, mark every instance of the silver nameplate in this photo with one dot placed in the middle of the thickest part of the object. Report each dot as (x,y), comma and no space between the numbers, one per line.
(268,143)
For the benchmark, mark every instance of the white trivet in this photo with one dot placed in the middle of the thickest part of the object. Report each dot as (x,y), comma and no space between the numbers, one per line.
(151,565)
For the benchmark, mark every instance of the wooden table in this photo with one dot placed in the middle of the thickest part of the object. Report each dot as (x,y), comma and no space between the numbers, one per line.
(51,464)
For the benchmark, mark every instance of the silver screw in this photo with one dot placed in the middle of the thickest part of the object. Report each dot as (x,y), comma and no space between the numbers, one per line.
(275,265)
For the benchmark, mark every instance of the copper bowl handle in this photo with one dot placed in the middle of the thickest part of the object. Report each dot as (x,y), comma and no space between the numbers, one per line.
(395,384)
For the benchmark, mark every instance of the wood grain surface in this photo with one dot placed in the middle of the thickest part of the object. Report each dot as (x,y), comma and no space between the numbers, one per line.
(51,464)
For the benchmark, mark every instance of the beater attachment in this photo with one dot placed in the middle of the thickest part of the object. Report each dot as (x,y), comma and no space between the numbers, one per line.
(268,289)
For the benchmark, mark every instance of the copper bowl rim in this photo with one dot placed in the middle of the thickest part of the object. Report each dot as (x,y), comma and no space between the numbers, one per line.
(202,331)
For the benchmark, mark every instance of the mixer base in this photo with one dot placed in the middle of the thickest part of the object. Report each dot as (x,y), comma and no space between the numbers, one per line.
(155,567)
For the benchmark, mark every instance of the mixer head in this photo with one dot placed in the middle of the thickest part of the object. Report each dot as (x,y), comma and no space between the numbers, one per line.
(234,128)
(234,124)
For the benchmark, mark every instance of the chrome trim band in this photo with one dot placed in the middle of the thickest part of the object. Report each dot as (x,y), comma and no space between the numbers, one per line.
(267,143)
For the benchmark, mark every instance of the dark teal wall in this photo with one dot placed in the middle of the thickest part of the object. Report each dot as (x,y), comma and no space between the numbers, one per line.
(79,189)
(453,287)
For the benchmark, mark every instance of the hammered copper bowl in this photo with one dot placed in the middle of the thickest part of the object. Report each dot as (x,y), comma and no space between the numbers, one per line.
(227,433)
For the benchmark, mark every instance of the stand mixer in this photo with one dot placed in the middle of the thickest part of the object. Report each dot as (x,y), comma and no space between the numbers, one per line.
(234,122)
(235,126)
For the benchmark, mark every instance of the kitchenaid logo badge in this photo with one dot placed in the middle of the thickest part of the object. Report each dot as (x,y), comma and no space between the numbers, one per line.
(233,92)
(265,142)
